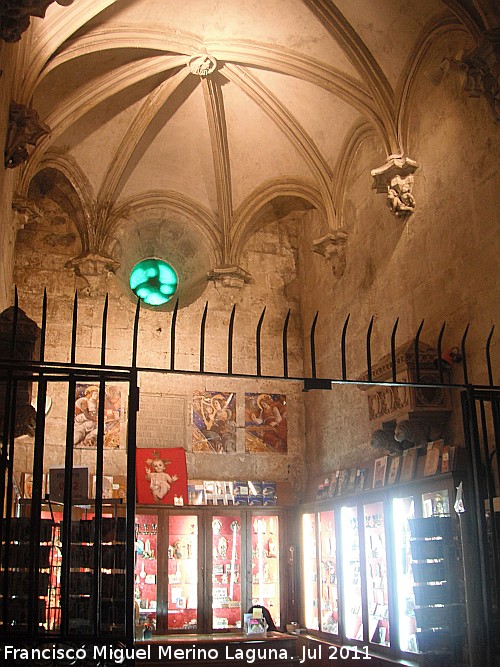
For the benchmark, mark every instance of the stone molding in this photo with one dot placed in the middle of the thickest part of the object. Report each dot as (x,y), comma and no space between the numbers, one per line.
(229,276)
(333,246)
(395,179)
(25,129)
(15,16)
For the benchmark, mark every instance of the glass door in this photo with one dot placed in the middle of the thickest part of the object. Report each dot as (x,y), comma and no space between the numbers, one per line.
(403,509)
(146,535)
(182,588)
(328,580)
(310,571)
(376,574)
(351,571)
(265,563)
(226,571)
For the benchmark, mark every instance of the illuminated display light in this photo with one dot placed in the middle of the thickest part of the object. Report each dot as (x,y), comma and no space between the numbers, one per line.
(153,281)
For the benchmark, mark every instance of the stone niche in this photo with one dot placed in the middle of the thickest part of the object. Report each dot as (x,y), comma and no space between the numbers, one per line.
(405,416)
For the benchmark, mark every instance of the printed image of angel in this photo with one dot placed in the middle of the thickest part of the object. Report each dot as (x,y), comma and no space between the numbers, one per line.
(214,424)
(266,423)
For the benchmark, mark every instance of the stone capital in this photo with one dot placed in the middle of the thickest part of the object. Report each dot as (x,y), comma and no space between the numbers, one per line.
(333,247)
(229,276)
(25,129)
(395,180)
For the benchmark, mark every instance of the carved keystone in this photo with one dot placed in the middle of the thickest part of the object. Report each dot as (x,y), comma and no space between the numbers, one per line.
(202,64)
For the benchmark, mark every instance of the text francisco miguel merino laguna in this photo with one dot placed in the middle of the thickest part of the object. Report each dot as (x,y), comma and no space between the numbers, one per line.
(119,654)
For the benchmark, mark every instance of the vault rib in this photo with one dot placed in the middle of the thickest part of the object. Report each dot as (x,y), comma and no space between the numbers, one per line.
(51,35)
(296,134)
(360,56)
(214,103)
(154,102)
(243,52)
(89,96)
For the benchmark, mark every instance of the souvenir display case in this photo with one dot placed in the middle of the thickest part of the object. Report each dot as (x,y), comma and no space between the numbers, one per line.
(182,590)
(146,564)
(206,566)
(226,571)
(265,563)
(387,564)
(310,570)
(328,579)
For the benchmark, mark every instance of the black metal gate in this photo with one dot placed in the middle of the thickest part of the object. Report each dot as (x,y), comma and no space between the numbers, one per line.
(19,368)
(481,412)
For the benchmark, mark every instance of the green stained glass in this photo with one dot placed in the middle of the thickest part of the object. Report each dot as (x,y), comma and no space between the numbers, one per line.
(154,281)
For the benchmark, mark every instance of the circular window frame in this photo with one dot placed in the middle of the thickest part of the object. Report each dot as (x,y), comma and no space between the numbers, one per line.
(166,263)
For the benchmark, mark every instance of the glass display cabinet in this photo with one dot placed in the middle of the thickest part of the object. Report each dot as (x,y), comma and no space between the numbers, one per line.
(226,571)
(146,534)
(379,569)
(199,569)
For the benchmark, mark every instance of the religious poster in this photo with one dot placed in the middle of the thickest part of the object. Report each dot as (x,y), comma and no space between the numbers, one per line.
(161,476)
(86,416)
(214,422)
(266,423)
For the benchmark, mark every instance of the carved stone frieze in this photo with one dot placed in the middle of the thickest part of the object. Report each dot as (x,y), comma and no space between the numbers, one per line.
(333,246)
(202,64)
(395,180)
(15,16)
(230,276)
(25,129)
(390,404)
(481,70)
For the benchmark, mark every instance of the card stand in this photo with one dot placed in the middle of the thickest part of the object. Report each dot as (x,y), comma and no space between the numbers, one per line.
(436,526)
(81,579)
(438,617)
(17,575)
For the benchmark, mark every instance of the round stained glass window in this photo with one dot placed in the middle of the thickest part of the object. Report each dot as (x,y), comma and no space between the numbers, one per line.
(153,281)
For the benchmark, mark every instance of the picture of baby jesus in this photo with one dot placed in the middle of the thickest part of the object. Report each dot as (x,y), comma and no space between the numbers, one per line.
(159,479)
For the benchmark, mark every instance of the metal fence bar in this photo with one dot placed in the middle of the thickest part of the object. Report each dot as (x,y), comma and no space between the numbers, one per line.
(173,325)
(488,356)
(369,350)
(343,347)
(230,335)
(312,345)
(257,342)
(202,337)
(440,353)
(417,351)
(393,350)
(464,355)
(285,344)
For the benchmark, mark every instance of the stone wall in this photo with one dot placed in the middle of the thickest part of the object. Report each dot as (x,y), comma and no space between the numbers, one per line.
(439,265)
(43,250)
